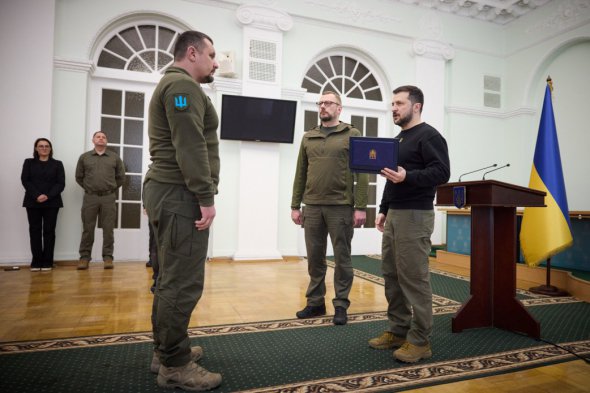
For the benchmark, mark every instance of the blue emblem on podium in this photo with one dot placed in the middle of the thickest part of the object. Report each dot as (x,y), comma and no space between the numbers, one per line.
(459,197)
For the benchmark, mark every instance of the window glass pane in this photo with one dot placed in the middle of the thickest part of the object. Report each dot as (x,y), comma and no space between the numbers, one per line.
(374,95)
(338,82)
(324,64)
(165,37)
(338,64)
(132,159)
(134,104)
(371,214)
(116,149)
(349,65)
(315,74)
(112,128)
(331,86)
(150,58)
(311,87)
(348,85)
(356,93)
(164,60)
(111,102)
(138,65)
(132,38)
(148,34)
(372,178)
(311,120)
(117,46)
(109,61)
(132,188)
(369,82)
(360,73)
(372,123)
(130,215)
(357,121)
(133,132)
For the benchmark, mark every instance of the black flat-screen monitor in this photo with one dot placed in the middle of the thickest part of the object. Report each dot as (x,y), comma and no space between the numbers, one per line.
(257,119)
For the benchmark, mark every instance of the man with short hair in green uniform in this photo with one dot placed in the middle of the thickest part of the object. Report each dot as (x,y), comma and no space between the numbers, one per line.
(179,192)
(100,172)
(333,205)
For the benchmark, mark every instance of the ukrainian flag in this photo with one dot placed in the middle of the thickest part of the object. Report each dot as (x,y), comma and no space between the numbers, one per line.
(546,231)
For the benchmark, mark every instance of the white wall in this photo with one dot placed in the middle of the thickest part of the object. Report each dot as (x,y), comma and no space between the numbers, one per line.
(522,54)
(26,44)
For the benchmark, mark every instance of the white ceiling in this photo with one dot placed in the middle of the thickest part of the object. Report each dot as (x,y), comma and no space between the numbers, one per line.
(495,11)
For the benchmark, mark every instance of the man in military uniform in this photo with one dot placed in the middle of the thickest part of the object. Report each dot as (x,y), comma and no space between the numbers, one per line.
(100,172)
(333,205)
(179,192)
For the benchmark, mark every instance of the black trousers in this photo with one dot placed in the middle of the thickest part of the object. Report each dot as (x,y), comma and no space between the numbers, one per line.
(42,223)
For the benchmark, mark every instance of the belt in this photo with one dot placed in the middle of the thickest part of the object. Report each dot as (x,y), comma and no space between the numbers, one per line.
(101,193)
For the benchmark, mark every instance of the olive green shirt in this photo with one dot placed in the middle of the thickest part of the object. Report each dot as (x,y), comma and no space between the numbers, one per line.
(184,147)
(100,172)
(322,176)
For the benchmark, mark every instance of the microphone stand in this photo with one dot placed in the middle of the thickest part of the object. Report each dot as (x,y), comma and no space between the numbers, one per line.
(493,170)
(477,170)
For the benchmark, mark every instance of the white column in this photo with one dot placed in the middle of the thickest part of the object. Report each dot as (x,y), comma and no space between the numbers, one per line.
(431,57)
(259,162)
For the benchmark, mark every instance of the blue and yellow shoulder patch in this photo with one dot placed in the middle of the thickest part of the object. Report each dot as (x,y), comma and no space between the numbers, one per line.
(181,102)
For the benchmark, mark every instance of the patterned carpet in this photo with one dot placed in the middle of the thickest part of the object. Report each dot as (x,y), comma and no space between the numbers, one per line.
(306,355)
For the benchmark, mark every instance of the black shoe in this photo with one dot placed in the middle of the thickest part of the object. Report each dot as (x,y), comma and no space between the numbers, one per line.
(340,317)
(148,264)
(311,311)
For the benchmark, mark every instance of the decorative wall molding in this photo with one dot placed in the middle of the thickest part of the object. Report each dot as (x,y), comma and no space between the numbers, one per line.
(491,113)
(264,17)
(433,49)
(226,85)
(496,11)
(431,26)
(568,14)
(73,65)
(352,11)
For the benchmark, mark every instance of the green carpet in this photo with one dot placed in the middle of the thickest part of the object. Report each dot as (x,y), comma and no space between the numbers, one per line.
(285,356)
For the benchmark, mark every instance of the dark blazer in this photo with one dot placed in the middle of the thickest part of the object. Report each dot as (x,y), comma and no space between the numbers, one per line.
(43,177)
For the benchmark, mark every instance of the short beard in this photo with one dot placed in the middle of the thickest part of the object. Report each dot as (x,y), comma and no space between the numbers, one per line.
(208,79)
(403,121)
(326,118)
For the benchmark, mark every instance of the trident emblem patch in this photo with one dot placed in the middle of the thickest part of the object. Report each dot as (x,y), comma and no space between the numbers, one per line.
(180,102)
(459,197)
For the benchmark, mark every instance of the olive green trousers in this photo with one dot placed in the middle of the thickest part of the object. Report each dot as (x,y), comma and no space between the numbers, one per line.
(182,253)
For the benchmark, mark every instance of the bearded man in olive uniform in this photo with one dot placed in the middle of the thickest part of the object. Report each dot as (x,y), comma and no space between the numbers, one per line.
(179,192)
(334,205)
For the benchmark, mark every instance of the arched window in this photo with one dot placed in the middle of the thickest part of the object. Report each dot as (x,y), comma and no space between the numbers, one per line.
(344,75)
(141,47)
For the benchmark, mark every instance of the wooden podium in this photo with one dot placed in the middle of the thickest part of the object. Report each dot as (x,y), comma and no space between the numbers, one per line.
(493,249)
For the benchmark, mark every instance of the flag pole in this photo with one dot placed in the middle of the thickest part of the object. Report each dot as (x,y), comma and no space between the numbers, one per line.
(548,289)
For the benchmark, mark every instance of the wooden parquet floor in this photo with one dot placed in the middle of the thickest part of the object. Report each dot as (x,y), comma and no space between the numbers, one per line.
(68,303)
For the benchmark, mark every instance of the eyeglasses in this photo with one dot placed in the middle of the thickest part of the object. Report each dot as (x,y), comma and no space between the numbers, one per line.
(326,103)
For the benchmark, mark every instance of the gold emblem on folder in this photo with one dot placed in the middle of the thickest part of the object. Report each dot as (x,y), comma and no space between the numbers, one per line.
(372,154)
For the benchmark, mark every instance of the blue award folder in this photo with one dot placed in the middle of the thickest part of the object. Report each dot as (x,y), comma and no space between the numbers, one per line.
(371,155)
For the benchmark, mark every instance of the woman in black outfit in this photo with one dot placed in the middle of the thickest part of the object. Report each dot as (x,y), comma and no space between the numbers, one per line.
(44,179)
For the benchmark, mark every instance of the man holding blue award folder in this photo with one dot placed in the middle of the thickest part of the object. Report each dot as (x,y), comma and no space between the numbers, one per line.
(334,205)
(406,218)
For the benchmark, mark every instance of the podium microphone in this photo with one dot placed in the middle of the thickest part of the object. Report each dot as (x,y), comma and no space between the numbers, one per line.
(493,170)
(477,170)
